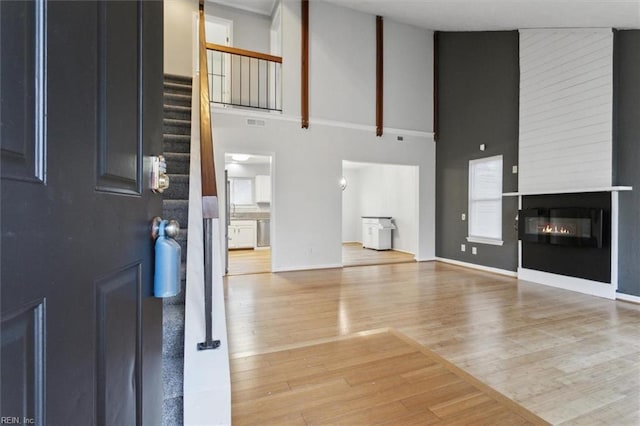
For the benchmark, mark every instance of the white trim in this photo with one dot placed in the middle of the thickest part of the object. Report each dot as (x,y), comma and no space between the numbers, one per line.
(307,267)
(489,241)
(614,239)
(426,259)
(352,242)
(407,132)
(570,191)
(628,297)
(404,251)
(580,285)
(221,109)
(476,266)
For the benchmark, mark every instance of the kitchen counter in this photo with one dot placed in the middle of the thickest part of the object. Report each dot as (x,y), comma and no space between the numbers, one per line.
(250,216)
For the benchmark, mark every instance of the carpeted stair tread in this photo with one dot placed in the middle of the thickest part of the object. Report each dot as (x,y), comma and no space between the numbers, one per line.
(172,377)
(176,209)
(173,330)
(177,111)
(177,162)
(177,99)
(175,205)
(177,143)
(174,126)
(178,187)
(177,78)
(172,411)
(171,87)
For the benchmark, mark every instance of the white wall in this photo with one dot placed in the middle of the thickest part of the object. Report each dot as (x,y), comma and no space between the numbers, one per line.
(341,40)
(408,77)
(251,31)
(351,207)
(248,170)
(307,166)
(342,74)
(566,109)
(383,190)
(178,36)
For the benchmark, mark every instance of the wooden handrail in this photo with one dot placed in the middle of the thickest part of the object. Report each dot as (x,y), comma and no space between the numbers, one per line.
(209,188)
(206,139)
(243,52)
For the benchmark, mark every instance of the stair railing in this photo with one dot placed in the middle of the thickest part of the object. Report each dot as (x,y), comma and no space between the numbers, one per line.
(209,189)
(244,78)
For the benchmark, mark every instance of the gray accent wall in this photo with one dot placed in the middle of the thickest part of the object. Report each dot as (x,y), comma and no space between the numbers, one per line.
(478,89)
(626,140)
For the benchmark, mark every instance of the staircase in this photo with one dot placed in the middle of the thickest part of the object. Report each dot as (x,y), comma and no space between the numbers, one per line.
(177,145)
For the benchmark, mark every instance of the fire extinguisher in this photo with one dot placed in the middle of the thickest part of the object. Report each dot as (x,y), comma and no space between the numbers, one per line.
(166,277)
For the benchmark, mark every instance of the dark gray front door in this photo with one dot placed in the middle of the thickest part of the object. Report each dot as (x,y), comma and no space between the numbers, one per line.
(80,113)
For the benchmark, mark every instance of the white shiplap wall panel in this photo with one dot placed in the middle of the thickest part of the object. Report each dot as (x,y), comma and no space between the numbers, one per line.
(566,104)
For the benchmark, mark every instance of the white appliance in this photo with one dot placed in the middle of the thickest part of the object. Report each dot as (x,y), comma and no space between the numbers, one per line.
(376,232)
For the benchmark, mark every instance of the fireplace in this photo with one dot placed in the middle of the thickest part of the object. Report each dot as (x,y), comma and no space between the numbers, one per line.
(577,227)
(567,234)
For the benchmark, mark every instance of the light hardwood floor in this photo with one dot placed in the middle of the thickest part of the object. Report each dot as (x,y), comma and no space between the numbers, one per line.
(567,357)
(249,261)
(354,255)
(379,377)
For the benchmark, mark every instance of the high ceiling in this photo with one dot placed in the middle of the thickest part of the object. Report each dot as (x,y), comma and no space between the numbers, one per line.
(476,15)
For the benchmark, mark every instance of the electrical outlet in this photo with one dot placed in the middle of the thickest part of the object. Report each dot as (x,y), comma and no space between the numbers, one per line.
(483,147)
(463,247)
(463,216)
(474,250)
(514,170)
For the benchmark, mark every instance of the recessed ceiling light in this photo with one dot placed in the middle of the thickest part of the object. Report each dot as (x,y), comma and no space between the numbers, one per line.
(240,157)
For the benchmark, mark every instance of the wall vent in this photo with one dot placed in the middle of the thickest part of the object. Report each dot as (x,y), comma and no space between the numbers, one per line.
(255,122)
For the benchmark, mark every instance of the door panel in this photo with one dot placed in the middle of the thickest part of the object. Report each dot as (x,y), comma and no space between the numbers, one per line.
(77,242)
(21,32)
(119,152)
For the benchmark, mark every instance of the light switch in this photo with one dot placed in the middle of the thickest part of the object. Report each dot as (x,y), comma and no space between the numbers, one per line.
(463,247)
(463,216)
(474,250)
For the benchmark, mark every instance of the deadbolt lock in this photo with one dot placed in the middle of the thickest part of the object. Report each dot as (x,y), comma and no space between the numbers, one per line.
(159,180)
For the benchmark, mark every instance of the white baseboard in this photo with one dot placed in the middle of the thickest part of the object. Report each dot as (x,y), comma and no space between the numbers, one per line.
(580,285)
(476,266)
(628,298)
(403,251)
(307,267)
(426,259)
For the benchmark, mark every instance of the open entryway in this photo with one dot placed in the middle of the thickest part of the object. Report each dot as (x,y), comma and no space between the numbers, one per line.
(248,212)
(379,213)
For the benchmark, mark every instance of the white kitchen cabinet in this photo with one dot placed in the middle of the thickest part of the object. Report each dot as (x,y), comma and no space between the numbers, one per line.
(263,189)
(376,232)
(242,234)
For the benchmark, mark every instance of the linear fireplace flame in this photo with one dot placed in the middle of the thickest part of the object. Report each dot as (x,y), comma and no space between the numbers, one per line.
(558,230)
(562,226)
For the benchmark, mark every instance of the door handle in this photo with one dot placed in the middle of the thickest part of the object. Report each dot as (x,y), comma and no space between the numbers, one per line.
(158,181)
(166,277)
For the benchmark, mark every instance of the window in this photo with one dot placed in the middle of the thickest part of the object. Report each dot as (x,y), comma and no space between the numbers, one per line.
(241,190)
(485,200)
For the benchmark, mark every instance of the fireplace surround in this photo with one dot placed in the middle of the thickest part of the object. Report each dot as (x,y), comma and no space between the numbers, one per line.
(585,255)
(564,226)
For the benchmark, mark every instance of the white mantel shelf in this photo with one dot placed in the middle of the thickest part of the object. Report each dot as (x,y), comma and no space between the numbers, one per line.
(570,191)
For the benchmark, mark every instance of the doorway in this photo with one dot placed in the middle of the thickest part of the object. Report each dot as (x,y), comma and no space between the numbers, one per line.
(379,213)
(248,212)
